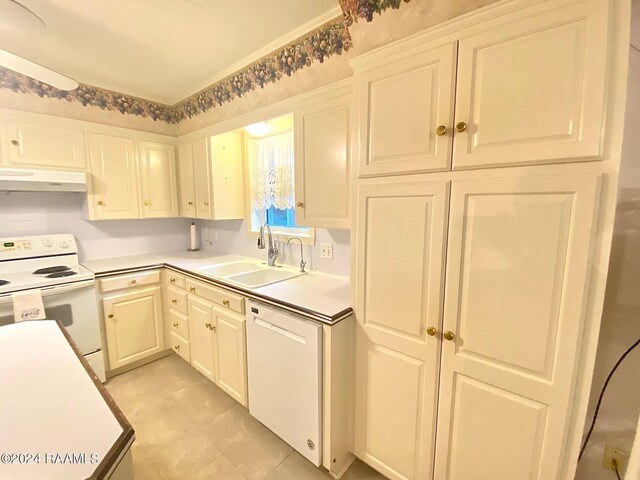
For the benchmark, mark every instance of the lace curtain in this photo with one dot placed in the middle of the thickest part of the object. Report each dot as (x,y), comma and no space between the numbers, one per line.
(273,175)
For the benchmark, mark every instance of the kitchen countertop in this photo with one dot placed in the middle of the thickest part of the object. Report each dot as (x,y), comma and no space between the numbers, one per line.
(71,414)
(315,295)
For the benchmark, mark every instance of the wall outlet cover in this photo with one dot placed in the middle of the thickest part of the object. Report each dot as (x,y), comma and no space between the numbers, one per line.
(617,454)
(326,250)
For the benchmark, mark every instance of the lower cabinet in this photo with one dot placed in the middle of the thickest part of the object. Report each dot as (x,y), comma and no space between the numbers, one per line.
(202,339)
(133,325)
(231,353)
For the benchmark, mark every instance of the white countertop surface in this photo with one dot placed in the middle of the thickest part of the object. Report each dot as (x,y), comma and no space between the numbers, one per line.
(324,294)
(49,405)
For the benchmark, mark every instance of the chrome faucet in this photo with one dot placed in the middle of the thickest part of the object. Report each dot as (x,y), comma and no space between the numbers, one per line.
(302,262)
(272,253)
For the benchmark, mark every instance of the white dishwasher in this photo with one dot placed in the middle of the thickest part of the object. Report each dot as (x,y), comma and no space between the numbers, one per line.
(284,354)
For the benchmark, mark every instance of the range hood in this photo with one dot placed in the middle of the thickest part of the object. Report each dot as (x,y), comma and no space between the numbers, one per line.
(23,180)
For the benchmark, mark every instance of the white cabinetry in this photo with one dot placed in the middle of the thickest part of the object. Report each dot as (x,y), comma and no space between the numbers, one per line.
(158,180)
(231,353)
(201,326)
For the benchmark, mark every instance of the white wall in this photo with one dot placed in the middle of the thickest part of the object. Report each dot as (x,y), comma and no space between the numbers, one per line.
(26,213)
(617,421)
(231,236)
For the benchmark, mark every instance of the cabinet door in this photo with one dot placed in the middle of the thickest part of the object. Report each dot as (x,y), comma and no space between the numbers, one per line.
(399,282)
(37,145)
(323,163)
(231,354)
(186,181)
(201,325)
(133,324)
(228,184)
(402,104)
(533,91)
(114,177)
(158,180)
(202,175)
(518,259)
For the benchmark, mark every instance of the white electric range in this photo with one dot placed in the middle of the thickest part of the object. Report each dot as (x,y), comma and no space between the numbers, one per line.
(50,263)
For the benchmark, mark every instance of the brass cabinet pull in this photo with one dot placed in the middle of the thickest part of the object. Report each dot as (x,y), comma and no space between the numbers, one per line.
(431,331)
(299,204)
(175,325)
(172,280)
(225,303)
(101,203)
(192,289)
(461,126)
(111,315)
(189,203)
(441,130)
(133,282)
(206,203)
(15,142)
(448,335)
(174,301)
(147,203)
(177,347)
(208,325)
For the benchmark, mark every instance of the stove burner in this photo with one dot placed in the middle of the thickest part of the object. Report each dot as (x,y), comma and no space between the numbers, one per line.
(65,273)
(47,270)
(4,282)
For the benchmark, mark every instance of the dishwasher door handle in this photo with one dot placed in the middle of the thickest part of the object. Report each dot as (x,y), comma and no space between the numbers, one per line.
(280,331)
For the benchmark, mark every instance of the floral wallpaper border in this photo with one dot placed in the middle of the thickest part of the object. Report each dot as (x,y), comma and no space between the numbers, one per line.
(333,38)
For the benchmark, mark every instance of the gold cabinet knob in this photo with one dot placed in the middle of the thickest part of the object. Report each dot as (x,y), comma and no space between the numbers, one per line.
(225,303)
(133,282)
(189,203)
(174,301)
(172,280)
(111,315)
(147,203)
(206,203)
(192,289)
(461,126)
(208,325)
(431,331)
(15,143)
(175,325)
(448,335)
(441,130)
(299,204)
(177,348)
(101,203)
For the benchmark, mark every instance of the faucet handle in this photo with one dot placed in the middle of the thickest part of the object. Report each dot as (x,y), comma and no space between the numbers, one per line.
(302,265)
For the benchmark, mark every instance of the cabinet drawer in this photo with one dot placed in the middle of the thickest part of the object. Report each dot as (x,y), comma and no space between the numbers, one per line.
(128,281)
(180,346)
(179,323)
(177,299)
(216,295)
(175,279)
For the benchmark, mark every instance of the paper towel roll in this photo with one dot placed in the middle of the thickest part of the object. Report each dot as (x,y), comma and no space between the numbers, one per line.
(194,240)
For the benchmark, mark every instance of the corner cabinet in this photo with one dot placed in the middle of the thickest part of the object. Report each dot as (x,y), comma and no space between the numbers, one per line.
(158,179)
(323,159)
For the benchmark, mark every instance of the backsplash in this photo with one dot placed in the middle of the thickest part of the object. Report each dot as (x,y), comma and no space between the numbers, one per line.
(26,213)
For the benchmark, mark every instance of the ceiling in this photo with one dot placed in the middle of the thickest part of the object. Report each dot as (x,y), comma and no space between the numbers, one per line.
(161,50)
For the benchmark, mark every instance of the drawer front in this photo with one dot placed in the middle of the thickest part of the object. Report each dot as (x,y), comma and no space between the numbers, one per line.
(216,295)
(177,299)
(179,323)
(180,346)
(129,280)
(175,279)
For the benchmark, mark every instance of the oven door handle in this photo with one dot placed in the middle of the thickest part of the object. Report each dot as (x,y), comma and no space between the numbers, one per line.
(53,290)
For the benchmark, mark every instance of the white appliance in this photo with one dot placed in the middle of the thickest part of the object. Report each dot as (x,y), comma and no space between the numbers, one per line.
(50,263)
(21,180)
(284,355)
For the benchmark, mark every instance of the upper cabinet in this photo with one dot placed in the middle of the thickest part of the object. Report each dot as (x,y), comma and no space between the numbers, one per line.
(525,92)
(115,193)
(210,173)
(323,161)
(44,145)
(158,180)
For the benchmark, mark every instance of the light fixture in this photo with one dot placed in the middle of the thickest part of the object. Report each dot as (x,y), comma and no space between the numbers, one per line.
(17,17)
(258,129)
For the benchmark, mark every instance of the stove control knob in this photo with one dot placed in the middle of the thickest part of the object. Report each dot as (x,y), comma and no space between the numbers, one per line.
(64,244)
(47,242)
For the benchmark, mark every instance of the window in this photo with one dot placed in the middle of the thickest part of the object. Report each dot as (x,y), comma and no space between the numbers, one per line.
(272,183)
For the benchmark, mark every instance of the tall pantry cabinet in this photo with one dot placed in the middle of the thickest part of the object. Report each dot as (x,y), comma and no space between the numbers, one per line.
(472,281)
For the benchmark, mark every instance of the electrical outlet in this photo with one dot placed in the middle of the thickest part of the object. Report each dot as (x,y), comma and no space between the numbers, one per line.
(613,453)
(326,250)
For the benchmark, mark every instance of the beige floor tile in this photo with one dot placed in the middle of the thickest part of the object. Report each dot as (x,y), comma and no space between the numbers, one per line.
(202,401)
(296,467)
(361,471)
(219,469)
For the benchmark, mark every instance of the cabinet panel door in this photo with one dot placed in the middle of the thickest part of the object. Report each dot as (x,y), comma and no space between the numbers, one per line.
(202,175)
(158,176)
(533,91)
(201,336)
(46,146)
(133,324)
(114,177)
(186,181)
(518,260)
(401,105)
(231,352)
(399,286)
(228,183)
(323,163)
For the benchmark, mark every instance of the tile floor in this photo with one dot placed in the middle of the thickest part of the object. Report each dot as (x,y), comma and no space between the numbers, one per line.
(188,429)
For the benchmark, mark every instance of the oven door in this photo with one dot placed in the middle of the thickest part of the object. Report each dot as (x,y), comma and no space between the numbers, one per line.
(74,305)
